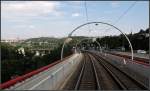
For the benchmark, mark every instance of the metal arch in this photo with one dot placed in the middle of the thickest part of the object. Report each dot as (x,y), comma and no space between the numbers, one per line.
(70,34)
(89,38)
(62,50)
(99,45)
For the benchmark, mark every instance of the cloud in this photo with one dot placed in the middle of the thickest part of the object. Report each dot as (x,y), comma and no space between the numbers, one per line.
(29,8)
(75,14)
(31,26)
(115,4)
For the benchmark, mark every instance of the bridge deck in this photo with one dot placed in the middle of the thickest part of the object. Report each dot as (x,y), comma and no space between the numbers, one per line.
(48,79)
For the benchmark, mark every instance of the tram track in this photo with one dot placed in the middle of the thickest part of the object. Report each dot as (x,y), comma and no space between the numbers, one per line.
(125,81)
(96,73)
(88,79)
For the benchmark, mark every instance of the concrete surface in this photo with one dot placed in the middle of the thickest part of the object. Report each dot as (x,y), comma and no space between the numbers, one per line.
(51,78)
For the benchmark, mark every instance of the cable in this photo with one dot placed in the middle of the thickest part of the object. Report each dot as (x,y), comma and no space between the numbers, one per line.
(121,16)
(125,12)
(86,12)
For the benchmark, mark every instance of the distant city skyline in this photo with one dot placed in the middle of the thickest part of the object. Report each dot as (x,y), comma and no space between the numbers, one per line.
(30,19)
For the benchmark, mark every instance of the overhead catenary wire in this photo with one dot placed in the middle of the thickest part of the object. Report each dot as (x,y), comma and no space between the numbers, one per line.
(120,17)
(86,13)
(123,14)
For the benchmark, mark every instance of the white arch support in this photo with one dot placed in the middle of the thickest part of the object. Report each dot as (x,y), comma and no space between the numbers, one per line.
(70,34)
(90,38)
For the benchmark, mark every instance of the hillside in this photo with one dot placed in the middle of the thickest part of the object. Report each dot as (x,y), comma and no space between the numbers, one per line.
(139,40)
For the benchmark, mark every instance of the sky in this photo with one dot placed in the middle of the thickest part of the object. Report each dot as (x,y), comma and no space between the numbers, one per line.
(30,19)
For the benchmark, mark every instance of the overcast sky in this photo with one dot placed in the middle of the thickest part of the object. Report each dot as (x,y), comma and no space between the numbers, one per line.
(28,19)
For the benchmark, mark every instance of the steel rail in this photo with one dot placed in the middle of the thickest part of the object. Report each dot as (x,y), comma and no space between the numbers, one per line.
(80,76)
(97,80)
(141,85)
(112,74)
(95,76)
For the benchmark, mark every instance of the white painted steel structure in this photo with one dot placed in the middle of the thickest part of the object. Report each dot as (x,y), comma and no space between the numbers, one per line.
(90,38)
(70,34)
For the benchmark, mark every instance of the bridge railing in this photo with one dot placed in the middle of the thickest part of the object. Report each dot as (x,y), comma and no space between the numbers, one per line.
(55,79)
(22,78)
